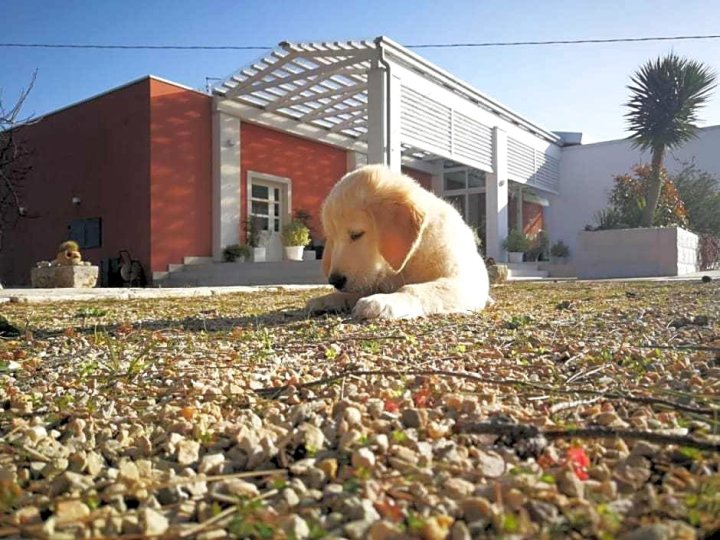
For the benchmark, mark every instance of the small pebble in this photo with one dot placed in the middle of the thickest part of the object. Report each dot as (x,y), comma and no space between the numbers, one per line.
(153,522)
(414,418)
(363,457)
(188,452)
(70,511)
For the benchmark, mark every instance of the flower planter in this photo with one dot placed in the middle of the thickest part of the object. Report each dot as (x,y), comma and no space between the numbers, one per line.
(259,254)
(294,253)
(620,253)
(515,256)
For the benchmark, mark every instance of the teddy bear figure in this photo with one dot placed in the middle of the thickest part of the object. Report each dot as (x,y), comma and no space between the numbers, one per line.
(68,254)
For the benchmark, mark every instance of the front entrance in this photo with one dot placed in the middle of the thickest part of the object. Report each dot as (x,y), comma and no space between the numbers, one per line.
(464,188)
(269,207)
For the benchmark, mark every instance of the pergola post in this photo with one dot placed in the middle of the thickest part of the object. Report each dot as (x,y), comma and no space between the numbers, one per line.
(383,110)
(496,198)
(355,160)
(226,182)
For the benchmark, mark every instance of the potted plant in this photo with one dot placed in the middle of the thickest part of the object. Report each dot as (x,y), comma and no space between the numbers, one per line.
(253,234)
(235,252)
(295,236)
(559,252)
(303,216)
(539,247)
(516,244)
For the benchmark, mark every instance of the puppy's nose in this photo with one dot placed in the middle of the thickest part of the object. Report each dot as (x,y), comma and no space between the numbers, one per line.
(337,280)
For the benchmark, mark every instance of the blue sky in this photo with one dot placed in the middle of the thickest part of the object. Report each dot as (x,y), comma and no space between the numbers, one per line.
(561,87)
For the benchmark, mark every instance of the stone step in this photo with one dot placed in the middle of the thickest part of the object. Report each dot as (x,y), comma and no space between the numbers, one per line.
(159,276)
(197,260)
(518,271)
(247,273)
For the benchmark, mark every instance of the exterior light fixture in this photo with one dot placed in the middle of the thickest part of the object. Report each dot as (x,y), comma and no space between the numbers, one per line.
(76,201)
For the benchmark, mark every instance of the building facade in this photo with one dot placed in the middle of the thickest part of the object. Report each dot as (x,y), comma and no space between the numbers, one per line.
(587,172)
(167,172)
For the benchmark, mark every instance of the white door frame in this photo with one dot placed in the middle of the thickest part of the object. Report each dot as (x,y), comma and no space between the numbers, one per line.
(285,185)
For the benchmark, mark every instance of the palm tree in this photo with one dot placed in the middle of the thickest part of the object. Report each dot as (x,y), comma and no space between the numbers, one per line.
(666,94)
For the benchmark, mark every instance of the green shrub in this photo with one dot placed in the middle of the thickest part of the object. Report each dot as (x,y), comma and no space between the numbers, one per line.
(252,231)
(476,237)
(516,241)
(236,251)
(700,193)
(627,202)
(559,249)
(611,218)
(295,233)
(538,246)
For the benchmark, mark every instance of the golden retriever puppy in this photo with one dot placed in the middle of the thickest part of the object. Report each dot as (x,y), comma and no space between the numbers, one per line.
(394,250)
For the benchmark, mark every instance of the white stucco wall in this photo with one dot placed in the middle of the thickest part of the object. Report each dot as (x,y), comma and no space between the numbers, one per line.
(587,171)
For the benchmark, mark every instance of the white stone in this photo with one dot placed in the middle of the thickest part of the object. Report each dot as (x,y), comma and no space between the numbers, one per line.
(188,452)
(295,527)
(363,457)
(212,464)
(154,522)
(353,416)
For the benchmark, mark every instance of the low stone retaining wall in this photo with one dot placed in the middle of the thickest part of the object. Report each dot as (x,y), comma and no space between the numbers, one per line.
(78,277)
(620,253)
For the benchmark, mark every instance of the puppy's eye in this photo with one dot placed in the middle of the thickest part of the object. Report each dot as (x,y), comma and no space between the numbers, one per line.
(356,235)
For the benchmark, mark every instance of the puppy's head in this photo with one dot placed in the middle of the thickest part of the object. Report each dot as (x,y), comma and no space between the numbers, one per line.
(373,223)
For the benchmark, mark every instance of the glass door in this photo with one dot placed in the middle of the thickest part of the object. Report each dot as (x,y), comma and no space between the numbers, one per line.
(464,188)
(266,208)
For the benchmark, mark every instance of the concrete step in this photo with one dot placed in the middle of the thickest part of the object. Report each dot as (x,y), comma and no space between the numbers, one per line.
(241,273)
(159,276)
(197,260)
(525,271)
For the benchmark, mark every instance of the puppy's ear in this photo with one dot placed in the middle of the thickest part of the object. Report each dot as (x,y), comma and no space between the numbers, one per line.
(399,224)
(327,257)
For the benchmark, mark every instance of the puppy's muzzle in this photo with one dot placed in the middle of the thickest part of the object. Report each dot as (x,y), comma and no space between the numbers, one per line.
(337,280)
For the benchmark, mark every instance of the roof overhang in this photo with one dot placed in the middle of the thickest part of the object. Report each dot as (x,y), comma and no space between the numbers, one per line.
(325,85)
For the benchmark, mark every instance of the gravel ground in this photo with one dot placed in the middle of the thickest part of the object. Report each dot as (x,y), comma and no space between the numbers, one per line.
(566,410)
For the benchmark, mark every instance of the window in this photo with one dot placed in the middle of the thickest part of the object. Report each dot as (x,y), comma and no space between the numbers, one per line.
(87,232)
(464,188)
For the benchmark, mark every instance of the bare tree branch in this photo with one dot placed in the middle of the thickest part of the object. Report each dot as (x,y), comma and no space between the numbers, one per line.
(14,165)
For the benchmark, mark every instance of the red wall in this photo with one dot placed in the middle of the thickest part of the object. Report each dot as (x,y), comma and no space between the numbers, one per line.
(423,178)
(181,173)
(313,167)
(533,219)
(97,150)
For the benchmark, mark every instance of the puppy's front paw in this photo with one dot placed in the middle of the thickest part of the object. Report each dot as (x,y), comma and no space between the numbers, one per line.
(388,306)
(330,303)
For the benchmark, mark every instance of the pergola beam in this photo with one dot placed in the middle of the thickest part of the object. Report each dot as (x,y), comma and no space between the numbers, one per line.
(345,124)
(294,98)
(252,85)
(327,111)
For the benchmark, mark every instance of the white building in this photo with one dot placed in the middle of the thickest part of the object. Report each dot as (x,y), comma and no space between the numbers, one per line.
(385,104)
(587,172)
